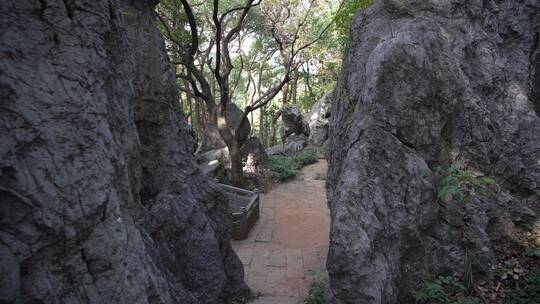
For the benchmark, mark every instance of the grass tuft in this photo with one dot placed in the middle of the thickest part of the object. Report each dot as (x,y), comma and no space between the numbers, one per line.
(288,166)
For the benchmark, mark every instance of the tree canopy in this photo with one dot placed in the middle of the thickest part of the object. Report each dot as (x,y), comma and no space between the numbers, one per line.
(256,54)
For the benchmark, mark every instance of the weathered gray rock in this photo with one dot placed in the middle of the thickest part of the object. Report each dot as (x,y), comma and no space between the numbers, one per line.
(217,163)
(212,139)
(220,155)
(317,121)
(293,143)
(426,83)
(293,122)
(254,155)
(101,200)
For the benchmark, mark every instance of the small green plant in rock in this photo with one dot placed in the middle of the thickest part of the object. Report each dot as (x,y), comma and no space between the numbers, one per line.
(288,166)
(236,300)
(440,291)
(467,271)
(532,252)
(530,294)
(315,295)
(459,183)
(469,300)
(316,290)
(431,291)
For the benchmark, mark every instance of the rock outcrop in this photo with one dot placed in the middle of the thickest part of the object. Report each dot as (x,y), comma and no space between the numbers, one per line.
(254,154)
(293,143)
(294,132)
(317,121)
(293,122)
(427,84)
(216,163)
(101,200)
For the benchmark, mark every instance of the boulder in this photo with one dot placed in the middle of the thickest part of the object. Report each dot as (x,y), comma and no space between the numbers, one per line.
(101,198)
(254,154)
(220,155)
(427,84)
(293,143)
(214,162)
(293,122)
(317,121)
(212,139)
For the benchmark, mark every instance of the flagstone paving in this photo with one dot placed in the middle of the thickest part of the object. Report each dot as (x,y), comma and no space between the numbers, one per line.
(287,248)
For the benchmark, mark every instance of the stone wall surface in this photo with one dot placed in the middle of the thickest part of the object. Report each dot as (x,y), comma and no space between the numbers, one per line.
(317,121)
(427,84)
(101,200)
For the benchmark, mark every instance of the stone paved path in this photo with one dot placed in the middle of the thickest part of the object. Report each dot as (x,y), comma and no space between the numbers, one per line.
(287,247)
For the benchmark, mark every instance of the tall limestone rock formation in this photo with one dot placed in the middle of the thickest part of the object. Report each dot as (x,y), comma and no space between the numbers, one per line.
(100,198)
(429,83)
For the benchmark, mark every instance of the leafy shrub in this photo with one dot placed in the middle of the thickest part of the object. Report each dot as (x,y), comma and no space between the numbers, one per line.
(345,15)
(532,253)
(529,294)
(436,290)
(288,166)
(443,290)
(459,183)
(431,291)
(315,295)
(469,300)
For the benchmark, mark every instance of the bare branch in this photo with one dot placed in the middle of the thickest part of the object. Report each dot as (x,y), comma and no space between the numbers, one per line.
(238,9)
(192,26)
(169,33)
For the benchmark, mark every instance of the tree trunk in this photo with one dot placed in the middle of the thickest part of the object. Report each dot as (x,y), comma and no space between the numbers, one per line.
(285,93)
(199,115)
(263,112)
(237,175)
(294,87)
(190,104)
(273,128)
(261,126)
(308,85)
(253,125)
(233,144)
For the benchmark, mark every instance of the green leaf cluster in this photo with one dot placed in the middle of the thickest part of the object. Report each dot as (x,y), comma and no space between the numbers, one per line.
(530,294)
(345,16)
(431,291)
(315,295)
(288,166)
(459,183)
(440,290)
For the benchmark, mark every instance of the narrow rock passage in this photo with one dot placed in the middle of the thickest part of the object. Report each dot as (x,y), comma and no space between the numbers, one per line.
(286,250)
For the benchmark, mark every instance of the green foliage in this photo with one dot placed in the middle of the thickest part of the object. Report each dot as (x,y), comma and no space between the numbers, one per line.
(532,253)
(288,166)
(236,300)
(469,300)
(258,64)
(315,295)
(459,183)
(441,290)
(530,294)
(431,291)
(467,271)
(345,15)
